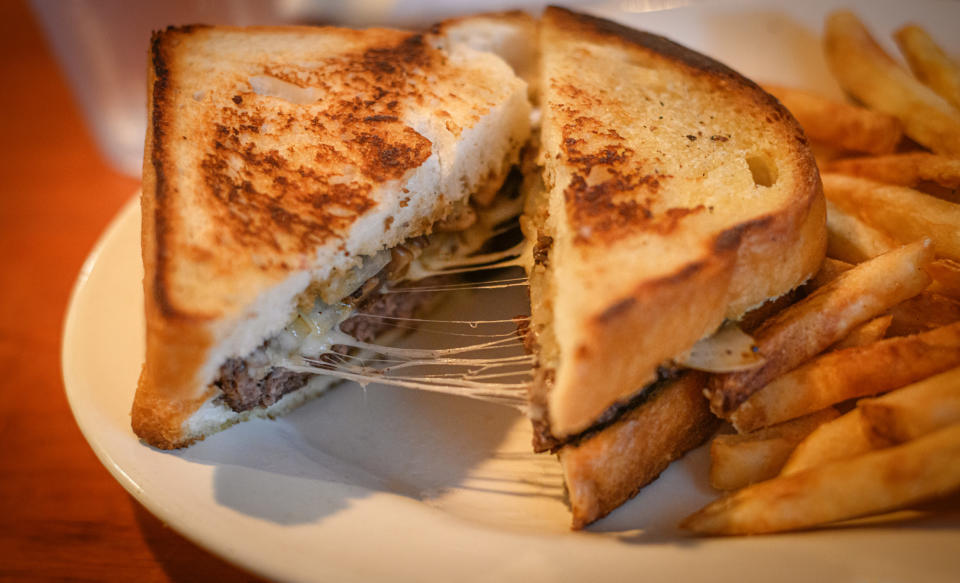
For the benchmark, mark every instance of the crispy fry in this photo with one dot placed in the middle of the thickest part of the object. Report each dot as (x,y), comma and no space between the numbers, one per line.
(840,125)
(739,460)
(929,63)
(913,411)
(896,417)
(946,278)
(941,192)
(912,169)
(829,271)
(904,213)
(807,327)
(876,80)
(838,439)
(757,316)
(866,333)
(923,312)
(850,373)
(850,239)
(875,482)
(903,447)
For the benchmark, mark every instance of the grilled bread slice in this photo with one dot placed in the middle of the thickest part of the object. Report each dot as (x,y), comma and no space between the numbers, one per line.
(675,194)
(280,162)
(609,466)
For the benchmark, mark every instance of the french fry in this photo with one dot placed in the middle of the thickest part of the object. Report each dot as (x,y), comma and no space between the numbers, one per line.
(868,73)
(841,438)
(885,307)
(739,460)
(904,213)
(866,333)
(929,63)
(850,239)
(872,483)
(850,373)
(809,326)
(923,312)
(911,169)
(913,411)
(829,271)
(898,416)
(757,316)
(946,278)
(840,125)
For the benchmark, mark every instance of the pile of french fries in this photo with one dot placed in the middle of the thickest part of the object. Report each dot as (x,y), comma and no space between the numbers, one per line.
(856,409)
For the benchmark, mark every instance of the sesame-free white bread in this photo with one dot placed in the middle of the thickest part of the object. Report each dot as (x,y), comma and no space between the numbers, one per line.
(276,158)
(677,193)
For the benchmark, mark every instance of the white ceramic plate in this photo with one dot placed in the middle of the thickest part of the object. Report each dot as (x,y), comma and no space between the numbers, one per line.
(389,484)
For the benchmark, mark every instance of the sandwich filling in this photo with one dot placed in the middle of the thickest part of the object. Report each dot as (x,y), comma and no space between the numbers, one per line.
(363,305)
(259,380)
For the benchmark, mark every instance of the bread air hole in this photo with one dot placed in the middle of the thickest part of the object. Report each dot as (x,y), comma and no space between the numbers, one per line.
(274,87)
(763,169)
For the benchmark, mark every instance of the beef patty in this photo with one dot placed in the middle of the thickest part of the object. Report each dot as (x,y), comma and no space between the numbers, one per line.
(244,384)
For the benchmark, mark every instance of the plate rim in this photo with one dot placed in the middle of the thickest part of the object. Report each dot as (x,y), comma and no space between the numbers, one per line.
(169,515)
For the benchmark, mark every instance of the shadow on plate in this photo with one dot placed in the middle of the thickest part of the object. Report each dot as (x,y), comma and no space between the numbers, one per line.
(349,444)
(355,441)
(659,506)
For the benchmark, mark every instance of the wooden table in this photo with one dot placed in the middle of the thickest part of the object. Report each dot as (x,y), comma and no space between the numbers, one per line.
(62,516)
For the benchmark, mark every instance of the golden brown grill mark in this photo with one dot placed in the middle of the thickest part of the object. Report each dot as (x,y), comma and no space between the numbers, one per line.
(385,160)
(251,183)
(602,196)
(612,192)
(295,196)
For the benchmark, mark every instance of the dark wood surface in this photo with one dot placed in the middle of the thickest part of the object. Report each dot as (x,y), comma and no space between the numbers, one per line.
(62,516)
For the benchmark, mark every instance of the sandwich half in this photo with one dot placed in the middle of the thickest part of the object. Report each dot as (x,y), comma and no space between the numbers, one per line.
(673,196)
(290,174)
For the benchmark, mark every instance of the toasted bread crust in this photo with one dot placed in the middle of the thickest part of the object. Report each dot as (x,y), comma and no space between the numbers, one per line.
(797,233)
(158,419)
(586,26)
(623,192)
(176,344)
(635,325)
(608,468)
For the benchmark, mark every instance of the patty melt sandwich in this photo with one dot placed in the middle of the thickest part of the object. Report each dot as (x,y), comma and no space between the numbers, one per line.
(292,173)
(289,174)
